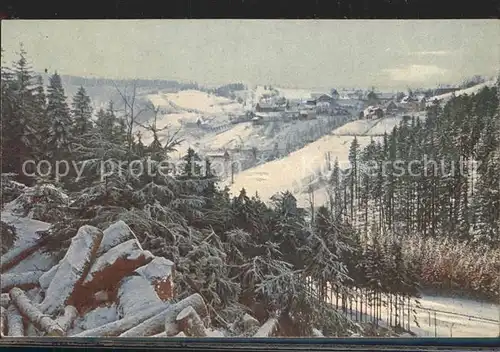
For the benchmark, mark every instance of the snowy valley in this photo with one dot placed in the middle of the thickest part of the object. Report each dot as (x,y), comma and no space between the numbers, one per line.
(292,184)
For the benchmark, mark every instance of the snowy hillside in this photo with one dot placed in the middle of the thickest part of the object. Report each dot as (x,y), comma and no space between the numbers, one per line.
(305,166)
(203,103)
(468,91)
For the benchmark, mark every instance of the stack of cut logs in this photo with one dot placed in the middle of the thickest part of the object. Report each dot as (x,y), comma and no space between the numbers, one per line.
(99,268)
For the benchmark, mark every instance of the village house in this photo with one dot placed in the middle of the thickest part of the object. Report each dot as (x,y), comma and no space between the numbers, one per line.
(391,108)
(373,112)
(334,94)
(324,103)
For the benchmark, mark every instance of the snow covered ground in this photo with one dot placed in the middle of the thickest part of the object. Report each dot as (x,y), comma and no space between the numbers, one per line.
(26,229)
(298,169)
(437,315)
(468,91)
(440,316)
(456,317)
(295,171)
(203,103)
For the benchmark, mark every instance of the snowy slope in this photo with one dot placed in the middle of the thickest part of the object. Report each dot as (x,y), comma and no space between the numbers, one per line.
(468,91)
(290,93)
(203,103)
(457,317)
(294,171)
(297,170)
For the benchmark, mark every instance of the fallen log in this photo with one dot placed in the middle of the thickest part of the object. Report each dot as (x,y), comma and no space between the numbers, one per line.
(72,270)
(66,320)
(15,325)
(159,272)
(17,254)
(134,295)
(33,314)
(167,318)
(268,329)
(24,281)
(47,277)
(4,300)
(114,265)
(248,323)
(3,321)
(117,327)
(190,323)
(31,330)
(115,234)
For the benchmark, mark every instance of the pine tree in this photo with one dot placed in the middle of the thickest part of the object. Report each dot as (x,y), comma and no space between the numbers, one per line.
(18,119)
(42,123)
(192,167)
(81,113)
(60,137)
(488,186)
(353,177)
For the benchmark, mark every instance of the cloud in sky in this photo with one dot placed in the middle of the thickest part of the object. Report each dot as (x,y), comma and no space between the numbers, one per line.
(416,73)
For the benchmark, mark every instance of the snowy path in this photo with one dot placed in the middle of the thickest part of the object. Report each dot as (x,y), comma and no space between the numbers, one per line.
(440,316)
(455,317)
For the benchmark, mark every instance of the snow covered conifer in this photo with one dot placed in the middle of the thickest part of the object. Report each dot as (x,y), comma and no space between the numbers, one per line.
(82,113)
(60,137)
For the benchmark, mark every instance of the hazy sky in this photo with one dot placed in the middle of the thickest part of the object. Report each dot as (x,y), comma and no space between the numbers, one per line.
(305,53)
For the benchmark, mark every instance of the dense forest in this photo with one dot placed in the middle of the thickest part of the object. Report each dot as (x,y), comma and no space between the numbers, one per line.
(381,240)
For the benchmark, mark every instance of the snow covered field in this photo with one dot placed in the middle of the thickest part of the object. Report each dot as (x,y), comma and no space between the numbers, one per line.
(440,316)
(455,317)
(295,171)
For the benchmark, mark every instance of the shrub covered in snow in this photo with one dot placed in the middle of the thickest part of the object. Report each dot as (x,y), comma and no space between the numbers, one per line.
(44,202)
(8,235)
(9,188)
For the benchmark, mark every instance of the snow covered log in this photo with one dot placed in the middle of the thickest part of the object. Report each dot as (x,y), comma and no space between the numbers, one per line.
(114,265)
(24,281)
(47,277)
(66,320)
(3,321)
(17,254)
(167,318)
(31,330)
(268,329)
(72,270)
(14,322)
(190,323)
(4,300)
(33,314)
(160,273)
(249,323)
(134,295)
(119,326)
(317,333)
(115,234)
